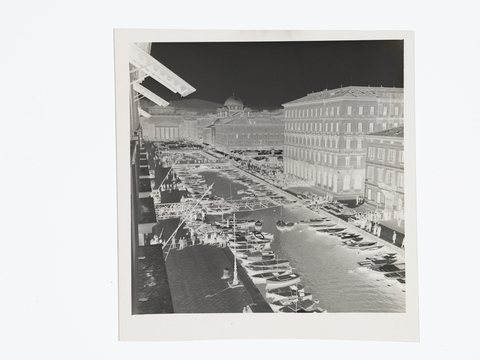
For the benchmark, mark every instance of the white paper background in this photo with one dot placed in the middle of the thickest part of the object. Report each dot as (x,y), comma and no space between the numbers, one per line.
(59,263)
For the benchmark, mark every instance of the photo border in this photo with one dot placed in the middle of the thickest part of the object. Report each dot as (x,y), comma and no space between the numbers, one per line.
(336,326)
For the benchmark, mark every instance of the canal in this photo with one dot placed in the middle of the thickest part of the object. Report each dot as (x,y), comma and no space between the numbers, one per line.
(329,271)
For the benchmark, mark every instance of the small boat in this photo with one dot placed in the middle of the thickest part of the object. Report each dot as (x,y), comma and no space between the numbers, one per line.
(350,236)
(252,258)
(372,248)
(332,230)
(323,225)
(283,280)
(267,269)
(262,235)
(304,306)
(319,219)
(274,262)
(395,275)
(383,256)
(390,268)
(256,253)
(280,225)
(277,304)
(290,288)
(263,277)
(376,262)
(360,245)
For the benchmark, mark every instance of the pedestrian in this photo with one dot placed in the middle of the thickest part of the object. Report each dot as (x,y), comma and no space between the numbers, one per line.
(394,237)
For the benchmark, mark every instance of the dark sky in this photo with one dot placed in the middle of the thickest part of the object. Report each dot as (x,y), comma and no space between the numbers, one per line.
(267,74)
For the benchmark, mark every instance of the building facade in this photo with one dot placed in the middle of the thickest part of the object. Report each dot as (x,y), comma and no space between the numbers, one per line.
(239,128)
(325,135)
(384,177)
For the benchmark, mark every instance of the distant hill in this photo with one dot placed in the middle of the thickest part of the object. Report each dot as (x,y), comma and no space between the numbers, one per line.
(196,105)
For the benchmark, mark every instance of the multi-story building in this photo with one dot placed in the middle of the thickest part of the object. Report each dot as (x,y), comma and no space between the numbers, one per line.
(325,135)
(142,65)
(384,179)
(239,128)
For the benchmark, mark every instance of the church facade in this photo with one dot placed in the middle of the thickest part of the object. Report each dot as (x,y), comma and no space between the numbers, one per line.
(239,128)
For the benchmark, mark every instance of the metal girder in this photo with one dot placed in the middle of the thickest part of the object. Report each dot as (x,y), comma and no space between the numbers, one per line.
(149,65)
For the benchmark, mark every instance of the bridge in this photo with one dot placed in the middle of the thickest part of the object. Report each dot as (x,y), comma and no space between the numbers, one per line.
(212,207)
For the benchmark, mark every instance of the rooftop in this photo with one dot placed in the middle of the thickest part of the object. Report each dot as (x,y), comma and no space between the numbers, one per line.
(351,92)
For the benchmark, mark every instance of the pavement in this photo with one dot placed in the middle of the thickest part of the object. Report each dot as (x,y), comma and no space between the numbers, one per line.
(196,284)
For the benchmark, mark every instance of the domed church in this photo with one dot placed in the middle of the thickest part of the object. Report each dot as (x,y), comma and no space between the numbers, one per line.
(233,106)
(238,128)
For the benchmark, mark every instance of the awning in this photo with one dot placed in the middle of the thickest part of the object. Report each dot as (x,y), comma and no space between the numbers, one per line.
(150,95)
(143,113)
(144,62)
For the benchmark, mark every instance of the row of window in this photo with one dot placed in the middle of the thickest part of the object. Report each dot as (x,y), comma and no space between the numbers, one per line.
(325,142)
(254,142)
(335,111)
(385,176)
(329,127)
(325,179)
(248,136)
(380,154)
(318,157)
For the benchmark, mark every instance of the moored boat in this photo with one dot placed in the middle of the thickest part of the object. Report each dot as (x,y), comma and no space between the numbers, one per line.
(280,225)
(273,262)
(283,280)
(289,225)
(395,275)
(290,288)
(390,268)
(266,269)
(277,304)
(359,245)
(372,248)
(303,307)
(376,262)
(263,277)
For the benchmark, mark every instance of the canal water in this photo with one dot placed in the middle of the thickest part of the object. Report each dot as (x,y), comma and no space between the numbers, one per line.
(328,270)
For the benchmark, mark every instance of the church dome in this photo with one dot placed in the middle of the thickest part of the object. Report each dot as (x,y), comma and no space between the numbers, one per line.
(233,101)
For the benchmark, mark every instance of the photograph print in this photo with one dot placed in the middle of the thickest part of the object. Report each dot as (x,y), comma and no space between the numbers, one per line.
(265,176)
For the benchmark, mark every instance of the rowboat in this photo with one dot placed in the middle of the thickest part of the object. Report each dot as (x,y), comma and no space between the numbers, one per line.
(360,245)
(269,269)
(281,225)
(262,235)
(390,268)
(395,275)
(332,230)
(304,306)
(290,288)
(376,262)
(277,304)
(372,248)
(273,262)
(263,277)
(283,280)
